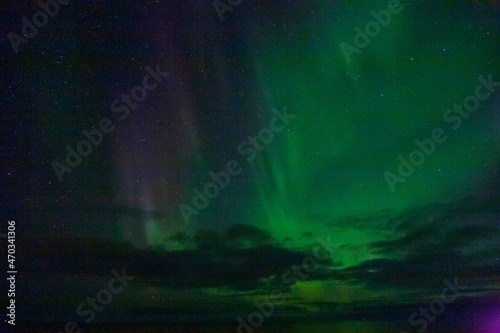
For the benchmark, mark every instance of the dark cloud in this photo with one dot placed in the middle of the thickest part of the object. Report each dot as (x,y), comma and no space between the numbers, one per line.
(244,235)
(218,261)
(208,239)
(431,243)
(438,227)
(416,273)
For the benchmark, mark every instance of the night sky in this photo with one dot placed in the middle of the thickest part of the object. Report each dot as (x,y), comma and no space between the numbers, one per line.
(313,135)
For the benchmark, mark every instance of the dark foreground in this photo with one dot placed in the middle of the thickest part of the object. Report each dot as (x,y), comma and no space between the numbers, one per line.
(327,327)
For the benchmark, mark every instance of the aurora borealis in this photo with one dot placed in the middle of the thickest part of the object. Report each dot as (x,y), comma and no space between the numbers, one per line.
(288,189)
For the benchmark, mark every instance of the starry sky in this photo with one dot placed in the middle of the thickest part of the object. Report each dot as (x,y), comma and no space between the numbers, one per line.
(323,175)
